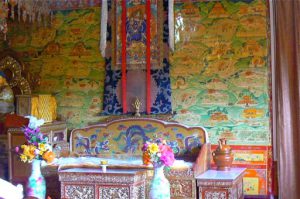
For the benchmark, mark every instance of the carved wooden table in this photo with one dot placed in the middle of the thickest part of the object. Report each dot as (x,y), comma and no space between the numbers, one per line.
(81,183)
(221,184)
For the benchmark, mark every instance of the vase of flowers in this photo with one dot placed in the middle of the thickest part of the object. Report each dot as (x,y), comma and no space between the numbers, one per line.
(34,151)
(160,155)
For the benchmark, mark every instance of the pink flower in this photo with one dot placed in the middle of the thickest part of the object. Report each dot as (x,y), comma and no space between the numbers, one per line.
(167,158)
(164,148)
(17,149)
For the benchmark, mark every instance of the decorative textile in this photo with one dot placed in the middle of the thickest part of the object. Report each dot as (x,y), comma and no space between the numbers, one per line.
(136,35)
(162,102)
(128,136)
(44,106)
(171,24)
(287,84)
(111,104)
(104,16)
(156,79)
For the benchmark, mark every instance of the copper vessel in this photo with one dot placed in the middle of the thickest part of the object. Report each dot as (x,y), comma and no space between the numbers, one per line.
(223,156)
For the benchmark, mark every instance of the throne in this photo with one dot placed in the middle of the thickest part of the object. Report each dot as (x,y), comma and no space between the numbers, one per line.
(16,77)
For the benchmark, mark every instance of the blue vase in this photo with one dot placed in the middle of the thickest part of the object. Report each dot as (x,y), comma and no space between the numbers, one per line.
(36,185)
(160,185)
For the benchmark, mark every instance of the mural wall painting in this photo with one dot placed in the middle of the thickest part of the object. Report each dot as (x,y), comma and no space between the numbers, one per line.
(219,73)
(220,69)
(66,55)
(220,80)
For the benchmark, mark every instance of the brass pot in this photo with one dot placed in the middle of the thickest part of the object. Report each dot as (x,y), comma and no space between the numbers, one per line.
(223,156)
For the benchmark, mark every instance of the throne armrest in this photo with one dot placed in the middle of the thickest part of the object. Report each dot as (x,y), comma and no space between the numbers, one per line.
(202,162)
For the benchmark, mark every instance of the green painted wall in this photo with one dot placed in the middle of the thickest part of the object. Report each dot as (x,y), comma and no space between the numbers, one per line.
(220,69)
(66,57)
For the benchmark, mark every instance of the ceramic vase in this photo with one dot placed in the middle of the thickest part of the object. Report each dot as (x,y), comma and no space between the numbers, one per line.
(160,185)
(36,185)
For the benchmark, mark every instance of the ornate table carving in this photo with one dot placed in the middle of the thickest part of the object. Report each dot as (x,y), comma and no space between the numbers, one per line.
(221,184)
(93,183)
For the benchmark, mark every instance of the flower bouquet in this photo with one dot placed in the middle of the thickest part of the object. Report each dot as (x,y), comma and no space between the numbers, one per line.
(36,146)
(34,150)
(158,153)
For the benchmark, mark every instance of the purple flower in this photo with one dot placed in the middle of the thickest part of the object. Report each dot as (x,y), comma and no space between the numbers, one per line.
(36,152)
(145,147)
(40,136)
(17,149)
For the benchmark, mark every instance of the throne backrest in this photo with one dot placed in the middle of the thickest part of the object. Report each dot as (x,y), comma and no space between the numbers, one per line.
(126,137)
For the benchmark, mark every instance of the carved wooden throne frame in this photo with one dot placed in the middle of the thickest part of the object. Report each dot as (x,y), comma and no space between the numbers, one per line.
(15,73)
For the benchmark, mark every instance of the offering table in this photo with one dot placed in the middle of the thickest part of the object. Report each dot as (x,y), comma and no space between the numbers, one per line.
(79,183)
(221,184)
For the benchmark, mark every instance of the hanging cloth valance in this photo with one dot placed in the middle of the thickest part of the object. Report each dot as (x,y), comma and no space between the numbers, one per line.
(103,30)
(171,24)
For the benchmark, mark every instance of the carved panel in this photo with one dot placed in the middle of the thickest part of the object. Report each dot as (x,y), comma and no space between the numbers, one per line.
(180,173)
(125,185)
(233,193)
(79,192)
(215,195)
(183,188)
(109,192)
(240,189)
(215,183)
(73,177)
(218,187)
(138,192)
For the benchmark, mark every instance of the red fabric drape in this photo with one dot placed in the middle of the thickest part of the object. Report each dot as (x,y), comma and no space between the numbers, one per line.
(123,65)
(148,55)
(287,86)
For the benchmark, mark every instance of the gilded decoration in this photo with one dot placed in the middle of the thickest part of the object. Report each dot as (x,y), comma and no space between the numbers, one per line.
(10,65)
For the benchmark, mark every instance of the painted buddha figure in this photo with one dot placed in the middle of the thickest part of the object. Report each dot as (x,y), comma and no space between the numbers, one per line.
(6,96)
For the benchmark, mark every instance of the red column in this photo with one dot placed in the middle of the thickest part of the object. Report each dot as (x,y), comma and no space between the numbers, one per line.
(148,54)
(123,29)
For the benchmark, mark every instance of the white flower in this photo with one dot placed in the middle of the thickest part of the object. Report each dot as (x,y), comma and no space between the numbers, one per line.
(34,122)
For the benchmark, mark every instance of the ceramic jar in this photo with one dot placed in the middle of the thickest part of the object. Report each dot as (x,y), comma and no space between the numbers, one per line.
(223,156)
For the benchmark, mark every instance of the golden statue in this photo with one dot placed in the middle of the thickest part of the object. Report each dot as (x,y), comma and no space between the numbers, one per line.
(137,106)
(6,96)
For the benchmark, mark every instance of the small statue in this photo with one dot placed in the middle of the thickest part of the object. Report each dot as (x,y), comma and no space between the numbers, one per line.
(137,106)
(6,96)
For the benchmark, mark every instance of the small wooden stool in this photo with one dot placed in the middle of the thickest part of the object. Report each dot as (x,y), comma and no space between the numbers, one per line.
(221,184)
